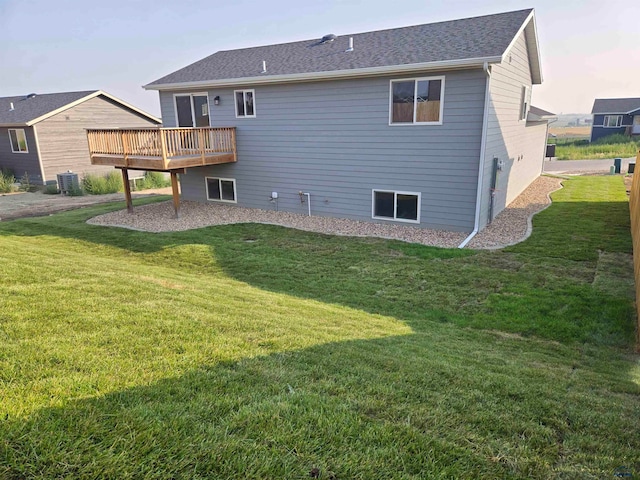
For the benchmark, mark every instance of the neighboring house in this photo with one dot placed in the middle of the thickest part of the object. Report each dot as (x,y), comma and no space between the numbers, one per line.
(615,115)
(428,125)
(44,135)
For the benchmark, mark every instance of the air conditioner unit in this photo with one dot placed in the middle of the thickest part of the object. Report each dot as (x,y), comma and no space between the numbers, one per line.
(68,182)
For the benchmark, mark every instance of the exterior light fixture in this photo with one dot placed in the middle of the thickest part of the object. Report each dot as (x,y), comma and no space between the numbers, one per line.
(216,100)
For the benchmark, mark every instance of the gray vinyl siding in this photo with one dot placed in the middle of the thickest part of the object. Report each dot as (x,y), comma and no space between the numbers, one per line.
(20,163)
(63,137)
(333,140)
(518,144)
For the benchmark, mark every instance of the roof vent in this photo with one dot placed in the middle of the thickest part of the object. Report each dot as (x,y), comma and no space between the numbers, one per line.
(264,66)
(31,95)
(328,38)
(350,49)
(11,107)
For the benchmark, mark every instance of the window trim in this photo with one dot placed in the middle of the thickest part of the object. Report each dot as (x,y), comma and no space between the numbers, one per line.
(525,103)
(416,80)
(395,205)
(220,179)
(235,103)
(620,117)
(193,110)
(26,144)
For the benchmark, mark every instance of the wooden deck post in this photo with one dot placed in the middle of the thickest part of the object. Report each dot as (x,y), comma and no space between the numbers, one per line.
(202,145)
(163,145)
(176,193)
(127,190)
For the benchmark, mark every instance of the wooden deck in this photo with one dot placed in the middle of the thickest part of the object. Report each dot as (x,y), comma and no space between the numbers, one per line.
(161,149)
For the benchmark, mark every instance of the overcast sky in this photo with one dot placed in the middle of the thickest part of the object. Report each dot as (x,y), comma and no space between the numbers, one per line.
(589,48)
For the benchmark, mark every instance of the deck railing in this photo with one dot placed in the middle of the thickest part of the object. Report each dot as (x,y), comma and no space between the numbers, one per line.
(165,143)
(634,207)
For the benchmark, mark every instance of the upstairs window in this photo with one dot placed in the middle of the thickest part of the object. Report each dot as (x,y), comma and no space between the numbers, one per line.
(612,121)
(245,103)
(18,140)
(416,101)
(524,102)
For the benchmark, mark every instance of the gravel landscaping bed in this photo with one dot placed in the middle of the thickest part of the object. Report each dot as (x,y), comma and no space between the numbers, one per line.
(511,226)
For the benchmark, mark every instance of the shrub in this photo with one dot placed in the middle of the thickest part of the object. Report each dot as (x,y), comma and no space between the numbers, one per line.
(153,180)
(615,139)
(6,181)
(51,189)
(26,185)
(75,191)
(95,184)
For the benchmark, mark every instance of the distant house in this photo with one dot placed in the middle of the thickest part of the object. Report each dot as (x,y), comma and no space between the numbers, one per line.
(429,125)
(615,115)
(44,135)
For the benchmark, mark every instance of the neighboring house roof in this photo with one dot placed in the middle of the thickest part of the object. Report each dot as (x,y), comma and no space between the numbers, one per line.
(615,105)
(456,43)
(537,114)
(31,109)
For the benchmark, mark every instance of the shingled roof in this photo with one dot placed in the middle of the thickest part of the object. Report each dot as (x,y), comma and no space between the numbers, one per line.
(30,109)
(615,105)
(465,42)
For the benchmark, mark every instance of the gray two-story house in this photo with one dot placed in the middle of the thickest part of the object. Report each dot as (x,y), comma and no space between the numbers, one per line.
(426,125)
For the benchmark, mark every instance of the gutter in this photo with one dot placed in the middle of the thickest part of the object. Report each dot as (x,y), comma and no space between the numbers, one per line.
(483,143)
(327,75)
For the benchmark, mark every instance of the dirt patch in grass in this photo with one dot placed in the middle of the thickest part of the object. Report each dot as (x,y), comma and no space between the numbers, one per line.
(570,131)
(38,204)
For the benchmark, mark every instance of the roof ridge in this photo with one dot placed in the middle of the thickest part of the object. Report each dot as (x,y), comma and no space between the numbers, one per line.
(52,93)
(529,10)
(436,45)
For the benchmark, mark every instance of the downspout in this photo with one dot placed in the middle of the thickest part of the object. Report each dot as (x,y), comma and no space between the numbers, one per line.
(483,143)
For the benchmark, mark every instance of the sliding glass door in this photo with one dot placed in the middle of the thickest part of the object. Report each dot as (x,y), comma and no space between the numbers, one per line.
(192,110)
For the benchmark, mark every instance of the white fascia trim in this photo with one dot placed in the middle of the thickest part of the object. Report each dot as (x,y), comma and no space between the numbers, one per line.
(310,76)
(39,154)
(89,97)
(618,113)
(523,27)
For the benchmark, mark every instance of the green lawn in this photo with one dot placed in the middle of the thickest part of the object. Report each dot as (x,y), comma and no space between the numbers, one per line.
(255,351)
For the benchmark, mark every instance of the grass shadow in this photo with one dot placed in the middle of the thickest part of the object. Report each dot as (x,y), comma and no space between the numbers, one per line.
(143,389)
(353,409)
(543,286)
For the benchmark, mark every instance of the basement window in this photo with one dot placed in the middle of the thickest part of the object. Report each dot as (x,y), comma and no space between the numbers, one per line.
(416,101)
(245,103)
(221,189)
(18,140)
(393,205)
